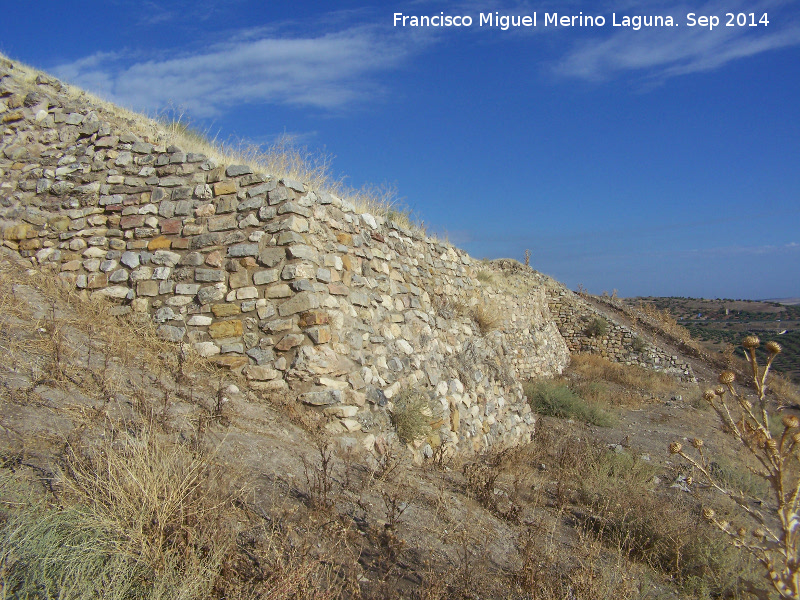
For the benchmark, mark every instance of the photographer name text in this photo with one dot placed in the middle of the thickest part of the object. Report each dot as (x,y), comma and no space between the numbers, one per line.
(636,22)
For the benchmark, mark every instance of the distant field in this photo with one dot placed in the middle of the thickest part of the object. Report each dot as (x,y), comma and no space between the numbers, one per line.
(720,322)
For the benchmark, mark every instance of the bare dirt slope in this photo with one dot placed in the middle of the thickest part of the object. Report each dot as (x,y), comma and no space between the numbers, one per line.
(583,512)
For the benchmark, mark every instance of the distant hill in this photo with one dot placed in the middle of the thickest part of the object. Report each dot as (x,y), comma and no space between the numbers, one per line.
(787,301)
(719,322)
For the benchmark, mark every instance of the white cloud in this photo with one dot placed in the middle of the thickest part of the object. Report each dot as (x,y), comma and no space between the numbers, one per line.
(330,71)
(729,251)
(662,52)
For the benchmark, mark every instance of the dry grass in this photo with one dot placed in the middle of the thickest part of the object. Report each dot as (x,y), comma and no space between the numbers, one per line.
(487,317)
(137,503)
(666,323)
(592,369)
(613,501)
(413,414)
(141,515)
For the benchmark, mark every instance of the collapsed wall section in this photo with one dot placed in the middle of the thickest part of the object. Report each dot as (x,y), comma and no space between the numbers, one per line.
(345,311)
(576,320)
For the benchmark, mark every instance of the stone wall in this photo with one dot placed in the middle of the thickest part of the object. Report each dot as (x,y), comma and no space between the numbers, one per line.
(292,286)
(574,315)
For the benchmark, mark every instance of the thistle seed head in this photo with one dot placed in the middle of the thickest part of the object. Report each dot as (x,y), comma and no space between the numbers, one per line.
(774,347)
(796,438)
(697,443)
(750,342)
(675,447)
(790,421)
(709,395)
(759,533)
(727,377)
(708,513)
(741,532)
(719,390)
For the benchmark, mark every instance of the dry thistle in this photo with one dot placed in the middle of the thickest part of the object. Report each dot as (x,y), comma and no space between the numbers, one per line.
(790,421)
(751,342)
(773,347)
(775,542)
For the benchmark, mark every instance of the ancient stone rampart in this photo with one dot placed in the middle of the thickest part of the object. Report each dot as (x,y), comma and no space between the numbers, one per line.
(345,311)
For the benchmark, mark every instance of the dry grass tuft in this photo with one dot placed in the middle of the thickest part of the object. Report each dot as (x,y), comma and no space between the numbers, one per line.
(413,414)
(487,317)
(594,371)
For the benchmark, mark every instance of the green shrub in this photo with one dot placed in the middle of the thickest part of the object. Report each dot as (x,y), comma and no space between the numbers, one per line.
(597,328)
(558,400)
(638,344)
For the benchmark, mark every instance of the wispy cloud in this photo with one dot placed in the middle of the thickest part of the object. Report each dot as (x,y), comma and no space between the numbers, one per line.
(661,52)
(731,251)
(329,71)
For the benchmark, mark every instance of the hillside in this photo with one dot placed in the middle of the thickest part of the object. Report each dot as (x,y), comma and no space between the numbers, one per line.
(720,323)
(221,382)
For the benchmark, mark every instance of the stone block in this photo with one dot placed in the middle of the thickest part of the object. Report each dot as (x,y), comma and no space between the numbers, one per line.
(226,204)
(278,325)
(96,281)
(159,243)
(338,289)
(230,361)
(131,221)
(302,252)
(298,271)
(247,293)
(271,256)
(225,310)
(261,373)
(359,299)
(239,279)
(265,277)
(313,317)
(278,291)
(225,329)
(342,412)
(289,341)
(319,335)
(170,226)
(211,294)
(236,170)
(222,188)
(222,222)
(207,275)
(302,302)
(321,398)
(239,250)
(147,288)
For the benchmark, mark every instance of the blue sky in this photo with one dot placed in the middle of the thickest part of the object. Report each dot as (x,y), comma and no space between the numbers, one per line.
(657,161)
